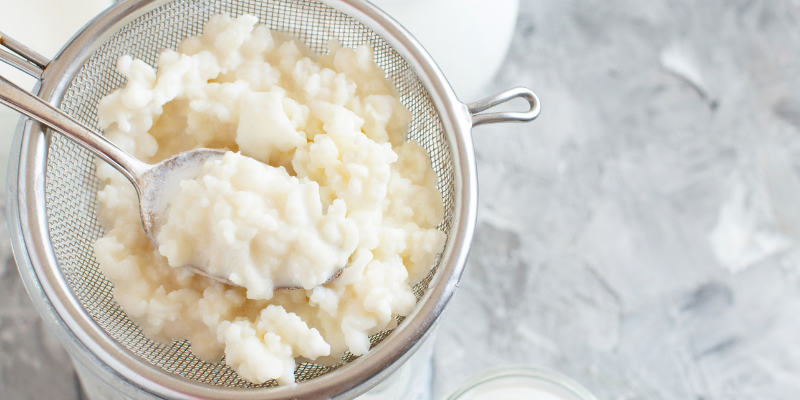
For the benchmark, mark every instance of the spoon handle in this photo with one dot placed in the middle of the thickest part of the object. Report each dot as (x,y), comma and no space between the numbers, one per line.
(20,100)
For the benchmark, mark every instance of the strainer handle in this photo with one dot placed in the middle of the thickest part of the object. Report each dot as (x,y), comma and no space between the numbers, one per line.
(479,118)
(31,62)
(23,102)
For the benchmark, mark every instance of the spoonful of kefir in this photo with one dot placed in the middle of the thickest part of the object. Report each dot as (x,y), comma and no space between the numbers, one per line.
(258,227)
(221,214)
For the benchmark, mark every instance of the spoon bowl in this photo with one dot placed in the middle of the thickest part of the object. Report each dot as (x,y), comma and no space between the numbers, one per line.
(159,184)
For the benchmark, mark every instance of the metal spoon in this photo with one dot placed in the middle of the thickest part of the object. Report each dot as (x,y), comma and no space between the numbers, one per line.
(156,185)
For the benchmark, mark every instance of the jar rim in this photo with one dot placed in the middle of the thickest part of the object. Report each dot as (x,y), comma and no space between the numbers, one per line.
(533,374)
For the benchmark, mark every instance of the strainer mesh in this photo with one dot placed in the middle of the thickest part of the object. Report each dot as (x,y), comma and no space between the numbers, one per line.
(71,185)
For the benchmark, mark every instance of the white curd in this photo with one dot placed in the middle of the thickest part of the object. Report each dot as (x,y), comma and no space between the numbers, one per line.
(319,177)
(257,226)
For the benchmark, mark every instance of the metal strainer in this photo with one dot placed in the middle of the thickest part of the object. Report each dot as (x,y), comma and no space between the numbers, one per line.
(52,189)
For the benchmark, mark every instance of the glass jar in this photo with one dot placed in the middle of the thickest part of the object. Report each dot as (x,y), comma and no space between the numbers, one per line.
(468,39)
(521,382)
(409,382)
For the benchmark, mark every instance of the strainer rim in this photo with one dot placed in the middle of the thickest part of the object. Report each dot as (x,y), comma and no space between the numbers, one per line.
(78,331)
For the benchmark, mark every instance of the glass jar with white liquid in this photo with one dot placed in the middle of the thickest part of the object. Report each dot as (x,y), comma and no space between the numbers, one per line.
(468,39)
(521,383)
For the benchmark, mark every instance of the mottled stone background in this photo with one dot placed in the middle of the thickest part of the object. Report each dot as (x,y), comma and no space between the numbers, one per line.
(641,236)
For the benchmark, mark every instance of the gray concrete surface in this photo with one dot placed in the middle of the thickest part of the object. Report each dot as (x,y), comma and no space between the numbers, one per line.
(641,236)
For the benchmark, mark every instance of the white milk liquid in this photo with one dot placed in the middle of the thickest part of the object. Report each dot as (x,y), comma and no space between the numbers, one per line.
(513,393)
(518,388)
